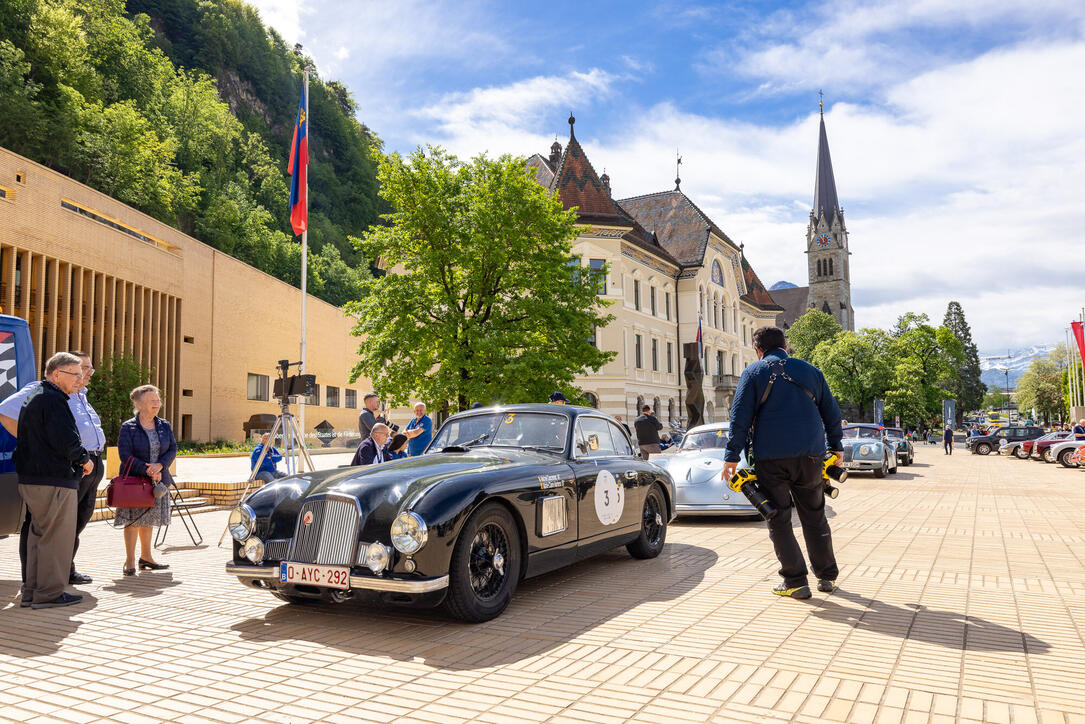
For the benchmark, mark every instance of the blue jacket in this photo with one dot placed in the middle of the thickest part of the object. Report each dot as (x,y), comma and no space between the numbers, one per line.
(270,460)
(132,443)
(789,424)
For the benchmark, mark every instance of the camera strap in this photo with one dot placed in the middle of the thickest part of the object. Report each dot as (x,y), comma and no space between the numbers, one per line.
(777,370)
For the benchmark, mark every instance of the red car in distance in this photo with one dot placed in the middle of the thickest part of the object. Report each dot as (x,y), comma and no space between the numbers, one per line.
(1040,446)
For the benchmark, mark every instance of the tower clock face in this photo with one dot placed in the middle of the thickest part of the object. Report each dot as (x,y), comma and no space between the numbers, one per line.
(823,241)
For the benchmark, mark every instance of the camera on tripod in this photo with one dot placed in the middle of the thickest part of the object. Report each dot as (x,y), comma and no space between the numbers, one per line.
(288,385)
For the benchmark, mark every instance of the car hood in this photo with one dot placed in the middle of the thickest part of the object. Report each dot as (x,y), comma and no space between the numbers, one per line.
(695,466)
(382,491)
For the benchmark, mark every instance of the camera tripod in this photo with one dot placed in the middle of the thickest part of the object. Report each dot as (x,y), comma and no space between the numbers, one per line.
(295,453)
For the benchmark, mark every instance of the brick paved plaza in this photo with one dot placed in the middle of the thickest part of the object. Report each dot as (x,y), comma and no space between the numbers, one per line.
(962,599)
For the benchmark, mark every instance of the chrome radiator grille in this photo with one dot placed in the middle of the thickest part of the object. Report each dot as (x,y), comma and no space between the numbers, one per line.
(847,454)
(330,536)
(275,550)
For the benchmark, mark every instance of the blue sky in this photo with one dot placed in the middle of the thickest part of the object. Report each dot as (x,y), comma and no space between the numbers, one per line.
(956,128)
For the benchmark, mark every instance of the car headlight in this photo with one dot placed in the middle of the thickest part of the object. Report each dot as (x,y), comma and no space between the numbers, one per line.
(242,522)
(254,549)
(865,449)
(409,532)
(377,557)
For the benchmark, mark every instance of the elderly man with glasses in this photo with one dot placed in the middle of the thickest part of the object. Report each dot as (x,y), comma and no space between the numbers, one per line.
(93,438)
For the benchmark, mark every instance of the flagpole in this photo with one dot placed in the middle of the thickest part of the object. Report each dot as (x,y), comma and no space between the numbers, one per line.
(304,257)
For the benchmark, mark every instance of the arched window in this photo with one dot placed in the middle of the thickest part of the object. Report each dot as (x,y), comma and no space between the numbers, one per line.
(670,410)
(830,267)
(593,401)
(819,267)
(655,407)
(734,364)
(640,405)
(716,314)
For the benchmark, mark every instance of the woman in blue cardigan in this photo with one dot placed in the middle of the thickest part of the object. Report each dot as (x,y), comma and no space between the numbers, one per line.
(147,440)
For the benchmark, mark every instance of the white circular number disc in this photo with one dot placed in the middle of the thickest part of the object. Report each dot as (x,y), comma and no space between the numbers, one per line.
(609,498)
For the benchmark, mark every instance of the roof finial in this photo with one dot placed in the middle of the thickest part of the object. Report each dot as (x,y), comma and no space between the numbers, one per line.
(742,249)
(821,102)
(677,170)
(572,120)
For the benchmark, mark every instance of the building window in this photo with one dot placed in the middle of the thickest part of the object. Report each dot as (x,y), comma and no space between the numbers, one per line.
(114,224)
(350,399)
(652,299)
(593,337)
(190,340)
(313,399)
(667,304)
(636,294)
(716,315)
(830,267)
(719,363)
(655,355)
(636,351)
(332,396)
(598,272)
(258,387)
(670,359)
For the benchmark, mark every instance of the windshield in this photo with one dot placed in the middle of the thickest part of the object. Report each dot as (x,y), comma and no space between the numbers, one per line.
(862,433)
(894,432)
(510,429)
(707,440)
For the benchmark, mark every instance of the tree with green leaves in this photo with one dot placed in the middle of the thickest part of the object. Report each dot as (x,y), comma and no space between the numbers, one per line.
(905,394)
(856,365)
(936,354)
(810,330)
(110,388)
(1040,389)
(966,386)
(996,399)
(484,300)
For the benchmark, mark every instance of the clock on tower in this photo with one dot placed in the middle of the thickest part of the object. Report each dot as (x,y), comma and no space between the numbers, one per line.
(823,241)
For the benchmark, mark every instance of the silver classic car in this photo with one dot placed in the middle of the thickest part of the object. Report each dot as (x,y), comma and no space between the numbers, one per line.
(899,439)
(696,468)
(866,448)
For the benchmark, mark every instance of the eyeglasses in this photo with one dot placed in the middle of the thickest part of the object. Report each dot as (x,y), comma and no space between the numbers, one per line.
(73,374)
(87,373)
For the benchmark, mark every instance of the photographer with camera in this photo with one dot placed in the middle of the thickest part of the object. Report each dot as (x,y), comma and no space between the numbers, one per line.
(784,407)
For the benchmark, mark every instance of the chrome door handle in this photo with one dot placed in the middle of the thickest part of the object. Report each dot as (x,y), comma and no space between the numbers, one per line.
(630,474)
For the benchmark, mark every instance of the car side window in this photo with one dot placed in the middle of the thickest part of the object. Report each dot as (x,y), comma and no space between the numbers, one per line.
(621,442)
(593,438)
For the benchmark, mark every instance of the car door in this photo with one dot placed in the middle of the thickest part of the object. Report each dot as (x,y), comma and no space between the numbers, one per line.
(609,495)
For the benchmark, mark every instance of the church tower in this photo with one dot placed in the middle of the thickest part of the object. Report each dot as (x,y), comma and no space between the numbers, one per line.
(827,243)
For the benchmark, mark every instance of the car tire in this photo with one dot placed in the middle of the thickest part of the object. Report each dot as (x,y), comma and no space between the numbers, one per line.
(1064,458)
(1045,455)
(1020,452)
(485,565)
(984,448)
(883,470)
(653,526)
(911,459)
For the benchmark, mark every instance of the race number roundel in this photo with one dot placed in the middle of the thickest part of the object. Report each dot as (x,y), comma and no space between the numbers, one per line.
(609,498)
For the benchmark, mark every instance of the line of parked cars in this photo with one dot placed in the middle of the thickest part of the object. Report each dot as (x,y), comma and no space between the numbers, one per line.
(1030,442)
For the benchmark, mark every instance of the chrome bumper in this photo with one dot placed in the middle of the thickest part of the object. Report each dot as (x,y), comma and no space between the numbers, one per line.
(421,585)
(719,509)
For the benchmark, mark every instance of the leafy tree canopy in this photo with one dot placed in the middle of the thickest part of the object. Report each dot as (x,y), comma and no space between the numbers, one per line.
(809,330)
(1040,389)
(109,392)
(484,300)
(184,110)
(856,367)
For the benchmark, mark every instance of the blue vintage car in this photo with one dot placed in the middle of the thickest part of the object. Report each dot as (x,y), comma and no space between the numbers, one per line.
(903,446)
(866,448)
(502,494)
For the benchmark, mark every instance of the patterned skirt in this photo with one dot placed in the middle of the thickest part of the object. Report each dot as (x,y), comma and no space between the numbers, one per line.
(157,515)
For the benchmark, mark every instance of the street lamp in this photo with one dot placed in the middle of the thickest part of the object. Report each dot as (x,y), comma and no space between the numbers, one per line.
(1006,395)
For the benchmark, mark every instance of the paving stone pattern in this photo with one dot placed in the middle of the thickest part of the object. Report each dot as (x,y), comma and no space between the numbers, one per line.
(962,599)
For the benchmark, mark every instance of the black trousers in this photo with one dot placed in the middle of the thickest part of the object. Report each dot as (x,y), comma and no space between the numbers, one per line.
(947,445)
(88,492)
(797,483)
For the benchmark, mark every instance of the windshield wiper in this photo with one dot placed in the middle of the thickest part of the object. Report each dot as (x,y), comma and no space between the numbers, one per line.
(476,441)
(543,448)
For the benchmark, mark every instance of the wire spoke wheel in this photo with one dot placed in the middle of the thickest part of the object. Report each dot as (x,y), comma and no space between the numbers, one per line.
(489,554)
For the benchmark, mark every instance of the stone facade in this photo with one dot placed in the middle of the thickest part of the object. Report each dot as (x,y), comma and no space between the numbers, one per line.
(87,271)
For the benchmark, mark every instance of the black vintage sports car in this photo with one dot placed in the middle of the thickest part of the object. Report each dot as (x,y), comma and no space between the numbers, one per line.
(501,494)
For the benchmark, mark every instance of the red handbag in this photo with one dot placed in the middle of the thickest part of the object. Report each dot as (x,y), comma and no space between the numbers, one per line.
(130,491)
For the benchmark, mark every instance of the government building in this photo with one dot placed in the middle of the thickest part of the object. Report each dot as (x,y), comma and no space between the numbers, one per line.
(88,272)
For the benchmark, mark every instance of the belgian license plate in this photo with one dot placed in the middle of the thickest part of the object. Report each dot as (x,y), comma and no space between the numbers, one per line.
(309,574)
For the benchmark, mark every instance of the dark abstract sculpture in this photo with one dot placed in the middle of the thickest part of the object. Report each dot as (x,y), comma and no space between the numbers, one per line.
(694,391)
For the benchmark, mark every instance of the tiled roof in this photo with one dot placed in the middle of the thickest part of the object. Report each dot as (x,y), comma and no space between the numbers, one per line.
(794,303)
(756,293)
(544,172)
(678,222)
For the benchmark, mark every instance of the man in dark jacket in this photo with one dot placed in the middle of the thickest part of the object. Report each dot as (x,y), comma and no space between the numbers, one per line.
(50,460)
(648,427)
(787,404)
(947,440)
(374,449)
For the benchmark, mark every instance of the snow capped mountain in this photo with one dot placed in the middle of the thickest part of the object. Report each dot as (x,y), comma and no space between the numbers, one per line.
(783,285)
(994,364)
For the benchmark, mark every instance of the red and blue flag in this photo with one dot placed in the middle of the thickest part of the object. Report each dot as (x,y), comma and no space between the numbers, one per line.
(297,167)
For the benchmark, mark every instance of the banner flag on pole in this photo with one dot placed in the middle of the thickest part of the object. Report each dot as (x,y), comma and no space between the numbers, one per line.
(1079,337)
(297,167)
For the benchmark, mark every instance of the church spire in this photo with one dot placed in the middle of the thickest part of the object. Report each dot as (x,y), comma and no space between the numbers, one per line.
(826,203)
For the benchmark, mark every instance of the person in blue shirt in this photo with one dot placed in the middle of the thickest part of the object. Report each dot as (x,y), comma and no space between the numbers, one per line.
(397,447)
(93,437)
(268,468)
(419,431)
(795,416)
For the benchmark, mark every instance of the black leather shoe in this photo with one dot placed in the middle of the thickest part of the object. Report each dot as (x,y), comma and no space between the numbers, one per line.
(76,578)
(152,566)
(64,599)
(129,571)
(25,603)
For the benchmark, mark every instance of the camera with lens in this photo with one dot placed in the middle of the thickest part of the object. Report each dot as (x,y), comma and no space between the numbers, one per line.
(832,473)
(744,481)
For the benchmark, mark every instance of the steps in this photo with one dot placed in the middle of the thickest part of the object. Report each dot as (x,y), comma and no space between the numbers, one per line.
(194,502)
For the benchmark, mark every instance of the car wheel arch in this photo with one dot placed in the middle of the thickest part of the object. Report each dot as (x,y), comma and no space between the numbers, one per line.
(521,529)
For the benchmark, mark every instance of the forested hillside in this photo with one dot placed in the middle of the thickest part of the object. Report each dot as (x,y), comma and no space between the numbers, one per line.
(184,109)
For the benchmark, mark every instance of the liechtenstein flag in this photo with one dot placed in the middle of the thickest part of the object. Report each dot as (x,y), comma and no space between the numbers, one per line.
(299,162)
